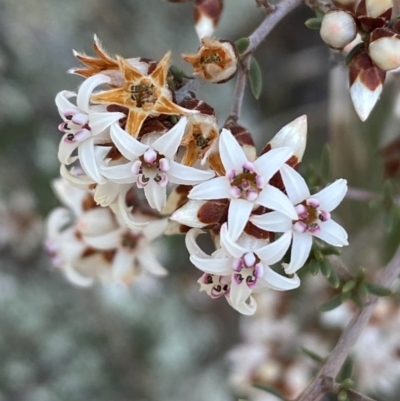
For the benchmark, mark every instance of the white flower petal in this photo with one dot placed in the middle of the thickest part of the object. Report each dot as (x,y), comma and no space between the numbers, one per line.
(106,194)
(86,90)
(88,161)
(122,266)
(106,241)
(295,185)
(274,222)
(57,219)
(239,293)
(191,244)
(168,143)
(120,174)
(155,195)
(65,149)
(276,281)
(221,267)
(154,229)
(332,195)
(98,122)
(245,308)
(332,233)
(185,175)
(274,199)
(187,214)
(232,154)
(125,213)
(301,248)
(238,216)
(63,103)
(69,195)
(230,246)
(274,252)
(363,98)
(79,181)
(149,262)
(269,163)
(130,148)
(216,188)
(75,278)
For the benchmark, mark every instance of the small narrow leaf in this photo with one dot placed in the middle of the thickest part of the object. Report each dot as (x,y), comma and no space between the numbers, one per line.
(331,250)
(313,23)
(353,52)
(347,383)
(346,296)
(349,286)
(362,290)
(269,389)
(242,44)
(358,301)
(331,304)
(315,357)
(342,396)
(318,254)
(326,269)
(345,371)
(378,290)
(333,279)
(313,267)
(255,78)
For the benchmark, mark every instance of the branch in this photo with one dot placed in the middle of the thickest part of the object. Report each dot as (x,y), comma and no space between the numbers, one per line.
(263,30)
(334,362)
(340,268)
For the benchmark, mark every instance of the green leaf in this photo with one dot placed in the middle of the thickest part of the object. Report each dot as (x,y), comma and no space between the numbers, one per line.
(349,286)
(342,396)
(378,290)
(269,389)
(353,52)
(255,78)
(331,304)
(345,371)
(313,266)
(315,357)
(358,301)
(333,279)
(346,296)
(326,269)
(318,254)
(347,383)
(177,72)
(313,23)
(362,290)
(242,44)
(331,250)
(326,162)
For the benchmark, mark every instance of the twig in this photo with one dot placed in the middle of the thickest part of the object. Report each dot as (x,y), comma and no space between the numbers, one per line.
(269,23)
(352,395)
(334,362)
(340,268)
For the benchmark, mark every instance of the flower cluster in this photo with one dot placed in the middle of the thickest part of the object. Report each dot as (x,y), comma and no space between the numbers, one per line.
(133,131)
(367,23)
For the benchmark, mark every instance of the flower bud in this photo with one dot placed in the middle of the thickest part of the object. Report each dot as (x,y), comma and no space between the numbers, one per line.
(338,29)
(366,82)
(206,16)
(216,60)
(375,8)
(384,49)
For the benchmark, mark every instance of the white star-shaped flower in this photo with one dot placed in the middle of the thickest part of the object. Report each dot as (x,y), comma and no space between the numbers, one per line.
(151,166)
(245,183)
(82,124)
(247,263)
(312,216)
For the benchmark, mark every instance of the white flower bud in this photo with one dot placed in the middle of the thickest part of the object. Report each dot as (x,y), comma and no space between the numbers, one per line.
(338,29)
(376,8)
(385,52)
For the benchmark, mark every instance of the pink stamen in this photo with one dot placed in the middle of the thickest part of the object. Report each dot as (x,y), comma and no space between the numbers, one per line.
(300,227)
(313,202)
(80,118)
(69,113)
(136,166)
(235,192)
(249,259)
(164,164)
(150,156)
(301,211)
(259,270)
(314,229)
(248,166)
(82,135)
(324,216)
(251,195)
(162,180)
(260,181)
(237,278)
(230,174)
(141,181)
(61,127)
(237,265)
(245,184)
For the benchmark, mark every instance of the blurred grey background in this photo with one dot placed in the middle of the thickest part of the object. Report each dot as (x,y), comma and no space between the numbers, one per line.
(159,340)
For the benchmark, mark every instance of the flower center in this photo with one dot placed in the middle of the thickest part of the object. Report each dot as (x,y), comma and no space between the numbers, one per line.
(209,56)
(215,286)
(130,241)
(76,127)
(310,216)
(144,95)
(151,165)
(247,269)
(247,184)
